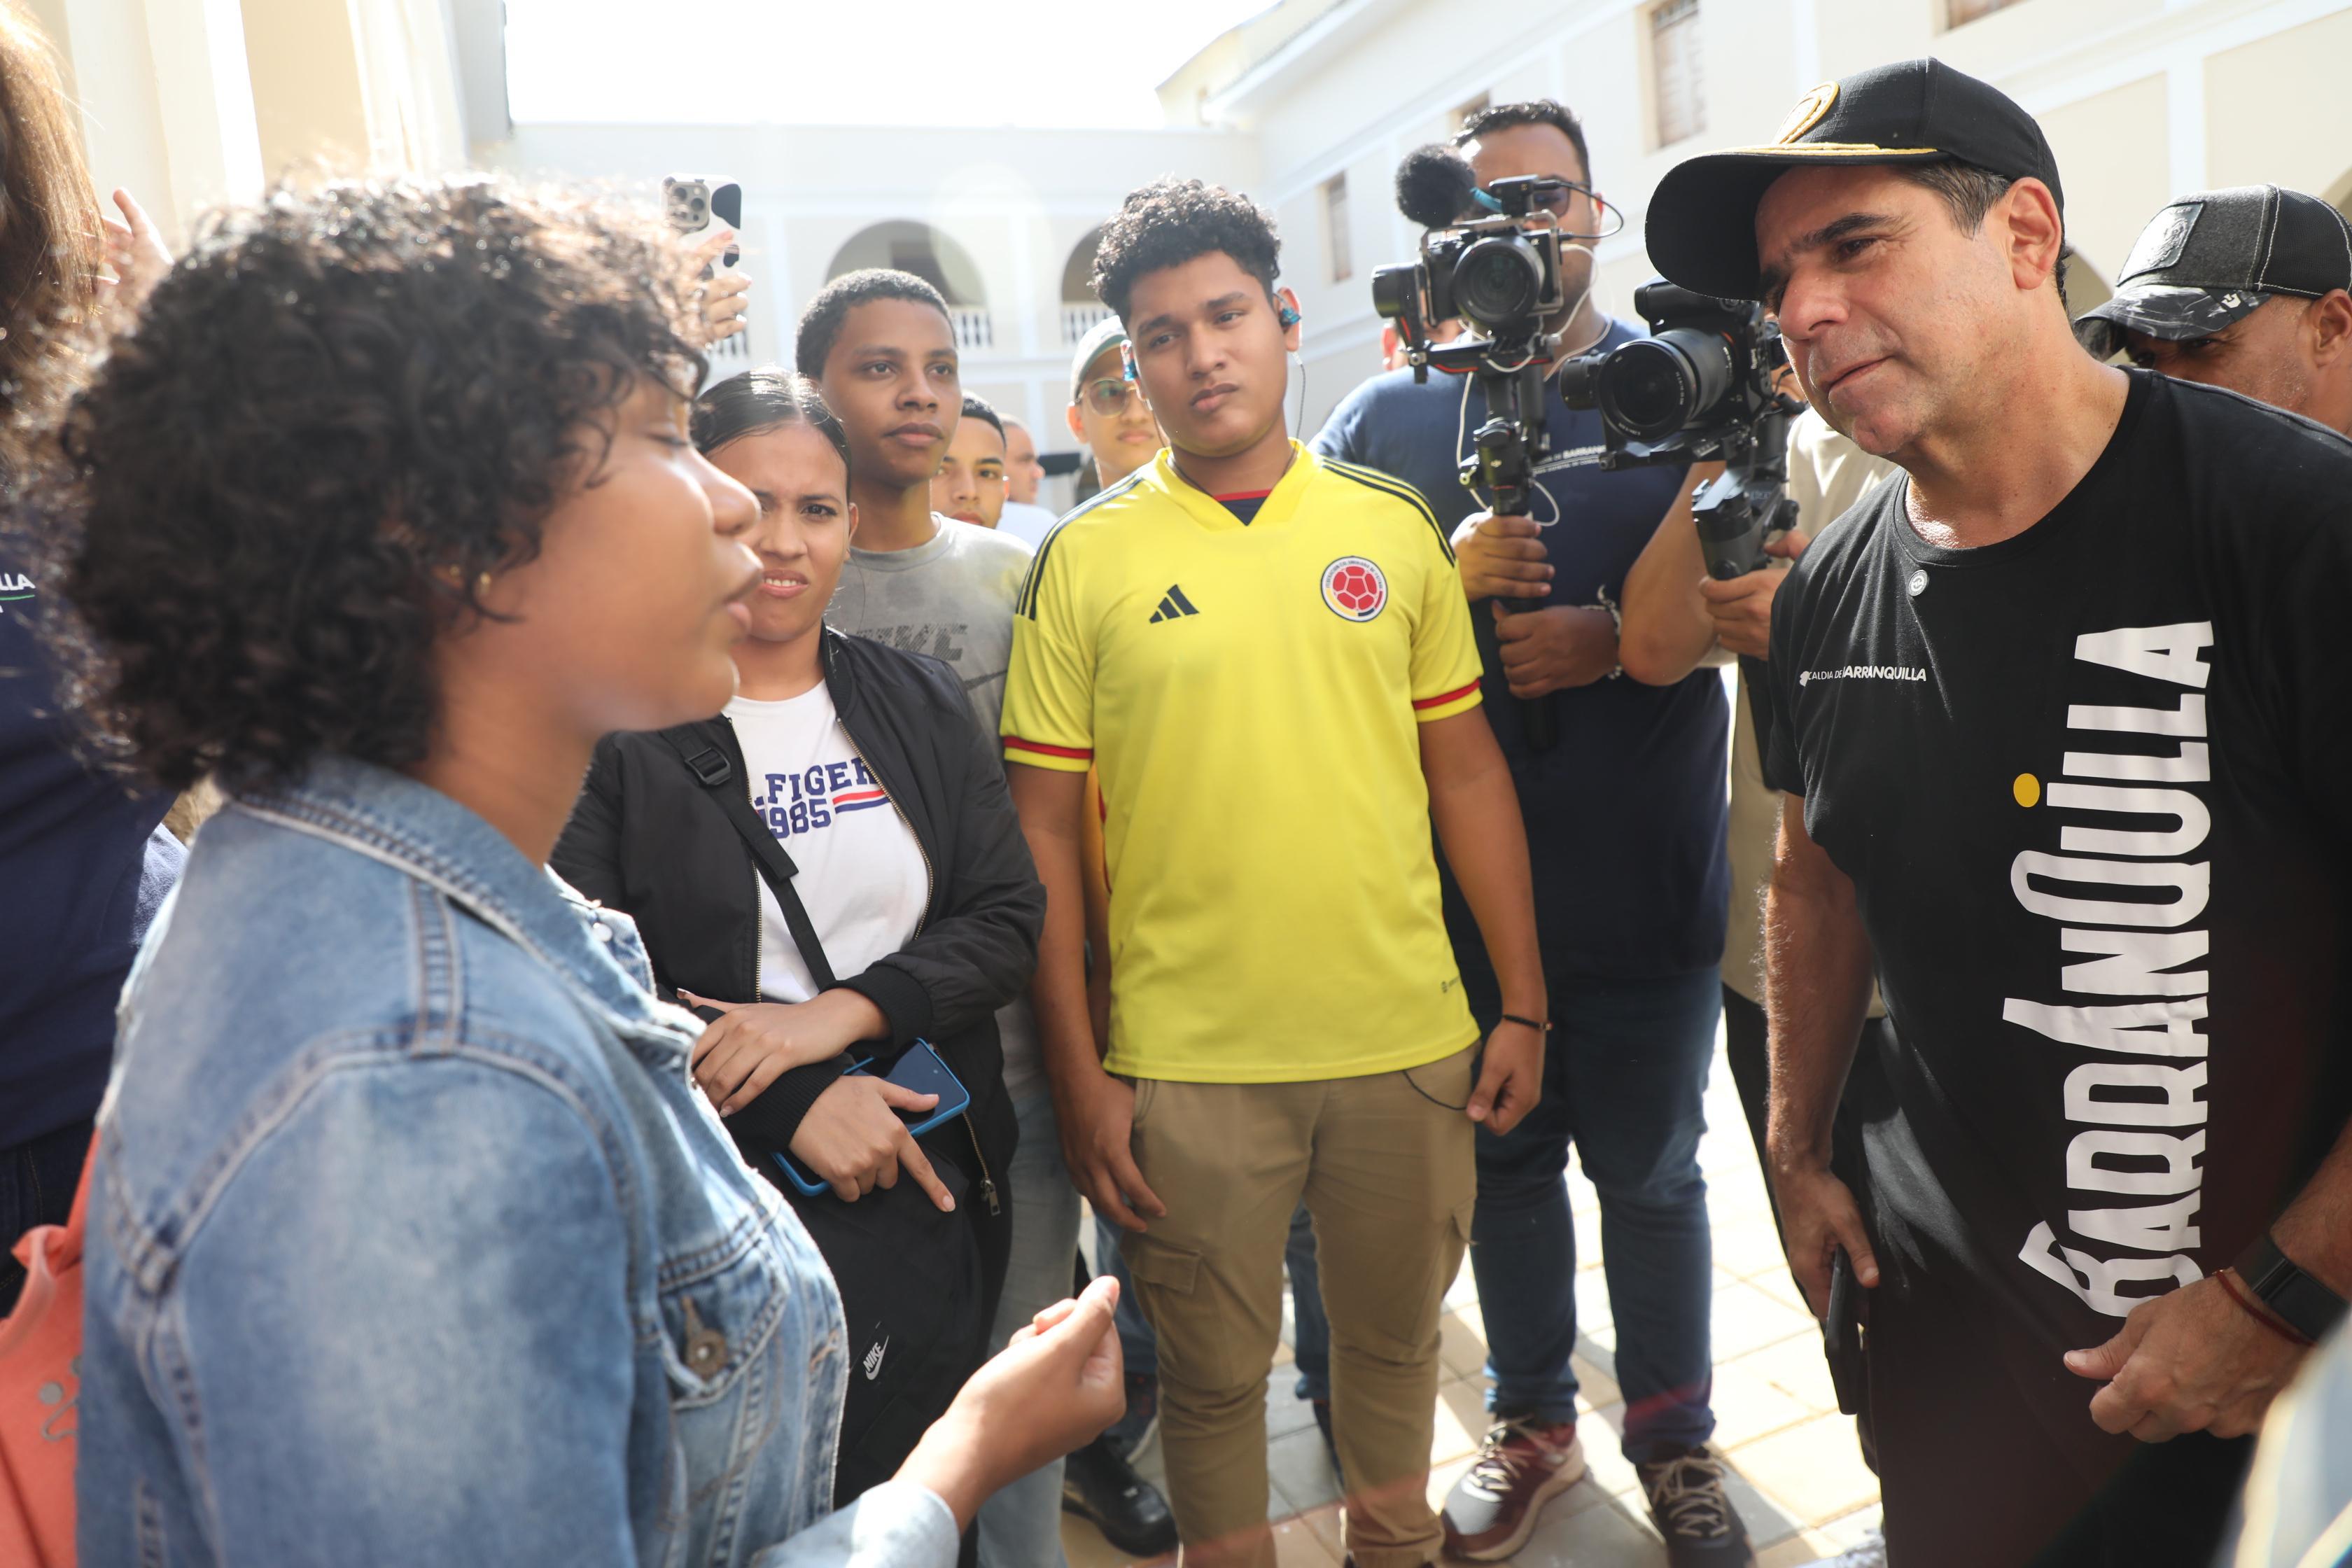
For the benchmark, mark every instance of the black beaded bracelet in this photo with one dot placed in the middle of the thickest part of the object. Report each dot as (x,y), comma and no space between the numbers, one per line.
(1527,1023)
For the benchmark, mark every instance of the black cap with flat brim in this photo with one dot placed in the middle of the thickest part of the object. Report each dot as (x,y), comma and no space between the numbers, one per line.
(1702,219)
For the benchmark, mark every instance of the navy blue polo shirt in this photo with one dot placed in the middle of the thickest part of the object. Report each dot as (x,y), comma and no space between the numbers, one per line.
(1625,815)
(84,861)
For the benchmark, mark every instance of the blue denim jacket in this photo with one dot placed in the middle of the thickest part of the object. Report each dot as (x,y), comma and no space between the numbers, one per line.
(411,1243)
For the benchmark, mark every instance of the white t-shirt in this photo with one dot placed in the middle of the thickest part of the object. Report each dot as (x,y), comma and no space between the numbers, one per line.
(1027,522)
(862,874)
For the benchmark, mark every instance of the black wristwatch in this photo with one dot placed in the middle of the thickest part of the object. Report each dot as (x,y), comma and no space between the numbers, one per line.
(2307,1306)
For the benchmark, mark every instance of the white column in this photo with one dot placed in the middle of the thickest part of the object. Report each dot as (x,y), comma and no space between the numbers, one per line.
(1025,283)
(2184,91)
(203,101)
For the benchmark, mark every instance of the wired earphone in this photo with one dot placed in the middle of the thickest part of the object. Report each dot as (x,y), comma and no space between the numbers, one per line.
(1284,311)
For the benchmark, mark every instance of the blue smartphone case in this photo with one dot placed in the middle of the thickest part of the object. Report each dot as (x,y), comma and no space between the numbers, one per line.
(921,1069)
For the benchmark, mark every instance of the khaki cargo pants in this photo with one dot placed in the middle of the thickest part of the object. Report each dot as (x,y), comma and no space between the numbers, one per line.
(1386,1171)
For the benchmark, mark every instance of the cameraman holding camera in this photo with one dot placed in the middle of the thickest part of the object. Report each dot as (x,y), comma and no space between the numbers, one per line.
(2059,709)
(1625,825)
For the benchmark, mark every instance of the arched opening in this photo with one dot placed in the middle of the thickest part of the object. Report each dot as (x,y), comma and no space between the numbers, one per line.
(1080,308)
(906,246)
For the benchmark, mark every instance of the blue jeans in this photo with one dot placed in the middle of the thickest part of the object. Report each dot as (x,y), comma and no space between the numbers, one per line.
(1312,1350)
(1622,1081)
(1311,1341)
(38,1178)
(1021,1526)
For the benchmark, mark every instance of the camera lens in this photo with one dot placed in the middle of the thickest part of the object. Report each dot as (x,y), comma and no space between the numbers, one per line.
(1654,386)
(1498,282)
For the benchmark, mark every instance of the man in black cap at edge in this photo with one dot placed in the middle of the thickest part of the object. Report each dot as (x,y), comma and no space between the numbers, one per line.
(2058,711)
(2248,288)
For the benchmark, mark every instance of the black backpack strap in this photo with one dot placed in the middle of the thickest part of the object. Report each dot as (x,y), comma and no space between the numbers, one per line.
(716,772)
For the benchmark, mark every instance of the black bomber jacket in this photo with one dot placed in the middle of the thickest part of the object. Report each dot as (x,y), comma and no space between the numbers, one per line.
(650,839)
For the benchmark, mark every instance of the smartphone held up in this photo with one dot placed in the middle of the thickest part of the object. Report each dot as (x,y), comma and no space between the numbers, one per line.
(707,212)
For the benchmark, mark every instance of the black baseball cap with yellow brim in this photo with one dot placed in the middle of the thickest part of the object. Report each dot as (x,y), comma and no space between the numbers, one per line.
(1702,221)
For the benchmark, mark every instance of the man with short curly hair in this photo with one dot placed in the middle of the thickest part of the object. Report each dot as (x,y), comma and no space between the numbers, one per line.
(1272,656)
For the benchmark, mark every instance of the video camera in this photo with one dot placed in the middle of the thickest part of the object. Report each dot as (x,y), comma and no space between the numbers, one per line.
(1502,274)
(1702,388)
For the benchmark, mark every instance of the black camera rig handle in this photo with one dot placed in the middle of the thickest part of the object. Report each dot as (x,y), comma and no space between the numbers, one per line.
(1749,503)
(1502,462)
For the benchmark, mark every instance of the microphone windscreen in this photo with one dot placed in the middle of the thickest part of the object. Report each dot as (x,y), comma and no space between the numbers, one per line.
(1434,185)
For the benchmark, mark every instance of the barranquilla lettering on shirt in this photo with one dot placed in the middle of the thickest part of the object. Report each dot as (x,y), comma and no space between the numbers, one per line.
(2090,784)
(1252,694)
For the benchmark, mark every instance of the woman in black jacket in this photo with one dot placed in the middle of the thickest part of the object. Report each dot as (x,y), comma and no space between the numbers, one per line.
(853,777)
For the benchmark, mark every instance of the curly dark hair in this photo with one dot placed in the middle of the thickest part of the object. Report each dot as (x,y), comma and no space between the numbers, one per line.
(1168,223)
(336,412)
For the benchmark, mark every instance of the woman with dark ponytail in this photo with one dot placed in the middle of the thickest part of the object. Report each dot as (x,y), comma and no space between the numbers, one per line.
(833,875)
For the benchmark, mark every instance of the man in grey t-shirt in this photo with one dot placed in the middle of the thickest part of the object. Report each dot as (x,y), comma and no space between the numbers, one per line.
(880,346)
(950,597)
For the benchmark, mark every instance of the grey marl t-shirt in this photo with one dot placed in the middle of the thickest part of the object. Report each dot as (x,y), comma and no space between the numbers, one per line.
(952,597)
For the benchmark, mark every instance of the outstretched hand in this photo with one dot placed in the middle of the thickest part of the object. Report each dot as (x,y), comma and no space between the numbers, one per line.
(135,252)
(1056,1385)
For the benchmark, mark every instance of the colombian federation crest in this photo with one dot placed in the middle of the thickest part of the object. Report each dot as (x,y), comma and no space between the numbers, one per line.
(1354,588)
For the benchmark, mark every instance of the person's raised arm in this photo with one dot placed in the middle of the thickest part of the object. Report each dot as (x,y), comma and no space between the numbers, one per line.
(1817,966)
(1096,1109)
(1475,808)
(1666,631)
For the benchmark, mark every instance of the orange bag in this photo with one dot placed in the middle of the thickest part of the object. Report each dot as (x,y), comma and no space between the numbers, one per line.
(40,1378)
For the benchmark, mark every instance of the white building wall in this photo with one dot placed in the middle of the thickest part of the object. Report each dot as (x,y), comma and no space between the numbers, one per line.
(1016,201)
(193,103)
(2142,99)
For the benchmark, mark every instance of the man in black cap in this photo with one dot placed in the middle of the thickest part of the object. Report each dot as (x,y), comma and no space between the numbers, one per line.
(2059,715)
(2248,288)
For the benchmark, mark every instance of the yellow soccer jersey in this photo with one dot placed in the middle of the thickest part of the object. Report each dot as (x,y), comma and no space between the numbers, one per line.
(1251,695)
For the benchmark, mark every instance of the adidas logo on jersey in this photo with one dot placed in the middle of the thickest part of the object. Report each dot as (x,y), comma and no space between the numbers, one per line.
(1174,605)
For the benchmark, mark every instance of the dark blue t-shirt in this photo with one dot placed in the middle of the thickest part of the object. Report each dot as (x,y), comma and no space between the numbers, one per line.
(1626,814)
(83,863)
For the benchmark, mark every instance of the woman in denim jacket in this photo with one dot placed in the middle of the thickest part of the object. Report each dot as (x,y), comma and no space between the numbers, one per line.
(410,1240)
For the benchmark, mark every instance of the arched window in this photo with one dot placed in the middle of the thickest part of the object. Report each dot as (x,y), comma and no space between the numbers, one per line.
(1080,308)
(933,256)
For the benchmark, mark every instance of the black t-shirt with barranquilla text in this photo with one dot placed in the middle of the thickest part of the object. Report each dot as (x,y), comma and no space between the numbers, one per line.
(2091,785)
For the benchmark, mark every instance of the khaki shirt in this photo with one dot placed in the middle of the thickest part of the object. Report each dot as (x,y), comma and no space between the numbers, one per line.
(1827,474)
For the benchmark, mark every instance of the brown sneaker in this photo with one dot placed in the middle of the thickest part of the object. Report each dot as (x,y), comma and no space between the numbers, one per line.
(1521,1465)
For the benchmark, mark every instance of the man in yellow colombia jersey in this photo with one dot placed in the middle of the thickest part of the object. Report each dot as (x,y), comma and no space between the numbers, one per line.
(1268,658)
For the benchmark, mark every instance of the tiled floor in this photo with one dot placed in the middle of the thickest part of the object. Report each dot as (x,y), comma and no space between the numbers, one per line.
(1799,1479)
